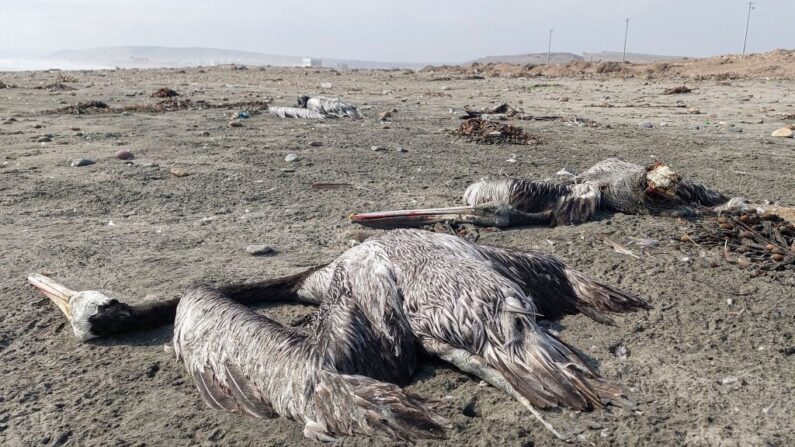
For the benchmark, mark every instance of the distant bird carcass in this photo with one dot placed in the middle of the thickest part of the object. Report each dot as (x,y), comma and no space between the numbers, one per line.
(473,306)
(318,107)
(611,185)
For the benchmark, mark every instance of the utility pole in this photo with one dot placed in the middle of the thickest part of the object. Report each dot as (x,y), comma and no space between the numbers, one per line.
(549,45)
(626,31)
(747,22)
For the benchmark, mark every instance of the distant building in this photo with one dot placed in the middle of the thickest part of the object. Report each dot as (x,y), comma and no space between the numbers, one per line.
(311,62)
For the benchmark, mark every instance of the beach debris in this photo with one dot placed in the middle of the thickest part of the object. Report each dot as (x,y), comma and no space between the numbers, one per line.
(244,115)
(383,116)
(177,172)
(291,158)
(235,123)
(57,86)
(124,155)
(646,125)
(85,107)
(377,148)
(784,132)
(620,350)
(677,90)
(82,162)
(315,143)
(618,248)
(166,105)
(164,92)
(500,111)
(484,131)
(259,250)
(748,238)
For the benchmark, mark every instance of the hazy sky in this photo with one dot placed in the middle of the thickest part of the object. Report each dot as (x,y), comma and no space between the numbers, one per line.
(400,30)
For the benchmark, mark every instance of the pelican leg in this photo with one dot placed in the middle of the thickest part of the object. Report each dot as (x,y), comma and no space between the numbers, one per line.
(55,291)
(493,214)
(477,366)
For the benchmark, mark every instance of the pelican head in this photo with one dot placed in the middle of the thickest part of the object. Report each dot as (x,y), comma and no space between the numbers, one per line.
(89,312)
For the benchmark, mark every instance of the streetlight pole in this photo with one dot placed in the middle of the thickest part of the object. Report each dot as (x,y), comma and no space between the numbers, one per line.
(747,22)
(626,31)
(549,45)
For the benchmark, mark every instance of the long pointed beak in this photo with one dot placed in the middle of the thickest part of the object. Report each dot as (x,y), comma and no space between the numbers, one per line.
(58,293)
(488,215)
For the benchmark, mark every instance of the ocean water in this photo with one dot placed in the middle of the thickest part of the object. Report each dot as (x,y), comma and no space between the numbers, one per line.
(46,64)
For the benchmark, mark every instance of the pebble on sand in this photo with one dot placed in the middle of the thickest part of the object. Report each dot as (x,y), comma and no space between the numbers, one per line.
(235,124)
(82,162)
(44,139)
(260,250)
(177,172)
(291,157)
(377,148)
(784,132)
(646,125)
(124,155)
(315,143)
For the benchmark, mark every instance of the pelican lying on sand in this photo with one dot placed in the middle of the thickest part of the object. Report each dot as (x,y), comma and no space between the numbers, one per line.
(611,185)
(318,107)
(470,305)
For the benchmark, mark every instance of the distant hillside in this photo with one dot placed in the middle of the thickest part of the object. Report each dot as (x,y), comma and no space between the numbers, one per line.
(531,59)
(151,57)
(635,58)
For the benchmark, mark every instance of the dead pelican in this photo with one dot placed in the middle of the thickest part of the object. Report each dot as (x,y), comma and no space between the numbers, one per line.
(318,107)
(470,305)
(611,185)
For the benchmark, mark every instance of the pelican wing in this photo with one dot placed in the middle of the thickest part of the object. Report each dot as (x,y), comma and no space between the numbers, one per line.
(332,106)
(295,112)
(247,363)
(557,289)
(569,204)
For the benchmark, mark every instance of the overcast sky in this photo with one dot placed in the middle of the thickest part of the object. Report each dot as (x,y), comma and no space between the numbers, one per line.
(400,30)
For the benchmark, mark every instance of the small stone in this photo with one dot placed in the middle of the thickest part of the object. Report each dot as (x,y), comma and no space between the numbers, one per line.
(564,99)
(259,250)
(729,380)
(444,88)
(38,126)
(646,125)
(44,139)
(325,85)
(82,162)
(385,127)
(377,148)
(235,123)
(402,150)
(205,134)
(736,129)
(126,113)
(288,170)
(177,172)
(124,155)
(291,158)
(784,132)
(383,116)
(315,143)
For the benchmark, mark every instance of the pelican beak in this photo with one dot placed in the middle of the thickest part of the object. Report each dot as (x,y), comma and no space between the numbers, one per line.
(488,215)
(58,293)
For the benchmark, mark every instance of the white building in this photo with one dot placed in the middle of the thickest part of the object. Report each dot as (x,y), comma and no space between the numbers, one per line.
(311,62)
